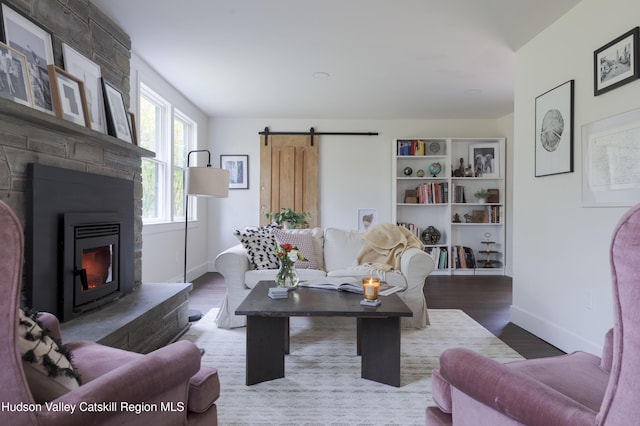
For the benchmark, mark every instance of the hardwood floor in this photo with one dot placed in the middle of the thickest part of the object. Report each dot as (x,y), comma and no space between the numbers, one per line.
(486,299)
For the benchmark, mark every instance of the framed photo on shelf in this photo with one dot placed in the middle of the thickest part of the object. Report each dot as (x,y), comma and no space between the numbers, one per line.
(33,41)
(90,73)
(67,93)
(238,166)
(117,117)
(366,219)
(14,76)
(554,131)
(610,158)
(616,63)
(134,128)
(485,158)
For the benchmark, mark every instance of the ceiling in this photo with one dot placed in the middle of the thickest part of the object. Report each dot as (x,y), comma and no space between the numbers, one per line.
(401,59)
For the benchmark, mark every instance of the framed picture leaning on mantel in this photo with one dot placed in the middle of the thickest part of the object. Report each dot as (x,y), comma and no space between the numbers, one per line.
(616,63)
(67,93)
(90,73)
(554,131)
(117,116)
(14,77)
(33,41)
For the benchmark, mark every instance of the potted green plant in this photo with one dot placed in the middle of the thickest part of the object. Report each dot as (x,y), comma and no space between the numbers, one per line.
(289,218)
(482,195)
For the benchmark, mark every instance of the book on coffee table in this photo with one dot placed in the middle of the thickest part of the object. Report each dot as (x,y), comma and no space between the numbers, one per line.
(350,284)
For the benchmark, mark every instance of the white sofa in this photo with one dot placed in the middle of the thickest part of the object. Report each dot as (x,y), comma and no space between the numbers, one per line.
(335,252)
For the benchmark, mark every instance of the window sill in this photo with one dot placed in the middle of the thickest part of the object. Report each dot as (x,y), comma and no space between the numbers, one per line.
(163,227)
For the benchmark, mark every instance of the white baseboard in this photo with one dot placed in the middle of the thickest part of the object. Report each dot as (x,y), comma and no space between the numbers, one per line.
(552,333)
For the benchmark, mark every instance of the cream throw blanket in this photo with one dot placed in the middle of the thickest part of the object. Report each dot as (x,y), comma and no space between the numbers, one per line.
(384,244)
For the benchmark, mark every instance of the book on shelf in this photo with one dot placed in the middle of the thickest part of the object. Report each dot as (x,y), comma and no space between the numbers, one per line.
(410,147)
(463,257)
(433,193)
(440,256)
(494,195)
(350,284)
(458,194)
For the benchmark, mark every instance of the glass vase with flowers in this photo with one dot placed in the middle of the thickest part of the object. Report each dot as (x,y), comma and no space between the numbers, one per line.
(288,255)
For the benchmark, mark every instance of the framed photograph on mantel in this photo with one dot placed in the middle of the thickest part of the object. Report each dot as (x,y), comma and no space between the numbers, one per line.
(33,41)
(14,77)
(554,131)
(616,63)
(238,166)
(117,117)
(68,97)
(90,73)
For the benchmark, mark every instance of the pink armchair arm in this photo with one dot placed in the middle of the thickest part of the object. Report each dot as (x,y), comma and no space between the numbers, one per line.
(160,376)
(509,392)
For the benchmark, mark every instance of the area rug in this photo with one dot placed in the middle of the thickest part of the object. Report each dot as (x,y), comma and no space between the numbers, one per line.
(323,384)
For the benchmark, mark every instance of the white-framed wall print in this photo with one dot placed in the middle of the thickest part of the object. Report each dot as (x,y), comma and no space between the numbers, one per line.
(367,218)
(610,159)
(34,41)
(90,73)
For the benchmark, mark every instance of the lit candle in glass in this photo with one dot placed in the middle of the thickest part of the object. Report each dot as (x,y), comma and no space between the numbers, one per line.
(370,287)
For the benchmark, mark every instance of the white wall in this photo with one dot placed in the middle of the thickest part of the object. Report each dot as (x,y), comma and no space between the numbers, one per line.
(355,171)
(561,248)
(505,126)
(163,244)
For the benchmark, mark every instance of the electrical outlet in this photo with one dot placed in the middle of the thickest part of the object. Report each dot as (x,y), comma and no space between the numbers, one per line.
(588,299)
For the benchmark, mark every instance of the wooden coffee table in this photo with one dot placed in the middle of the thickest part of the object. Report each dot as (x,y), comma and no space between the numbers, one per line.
(378,341)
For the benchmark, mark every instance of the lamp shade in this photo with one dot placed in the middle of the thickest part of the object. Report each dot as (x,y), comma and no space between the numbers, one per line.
(208,182)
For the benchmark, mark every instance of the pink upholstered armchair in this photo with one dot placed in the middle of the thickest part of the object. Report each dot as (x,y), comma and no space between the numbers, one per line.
(165,387)
(573,389)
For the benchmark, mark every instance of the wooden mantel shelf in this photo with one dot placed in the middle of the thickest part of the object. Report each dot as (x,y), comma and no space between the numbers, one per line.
(51,122)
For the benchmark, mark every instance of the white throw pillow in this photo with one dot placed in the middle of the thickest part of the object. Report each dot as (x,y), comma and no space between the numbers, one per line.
(341,248)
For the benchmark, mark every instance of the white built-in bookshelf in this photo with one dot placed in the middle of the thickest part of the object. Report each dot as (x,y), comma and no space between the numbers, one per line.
(471,230)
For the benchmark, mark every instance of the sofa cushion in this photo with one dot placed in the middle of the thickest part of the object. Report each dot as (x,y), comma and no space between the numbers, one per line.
(251,278)
(46,362)
(304,243)
(260,245)
(341,248)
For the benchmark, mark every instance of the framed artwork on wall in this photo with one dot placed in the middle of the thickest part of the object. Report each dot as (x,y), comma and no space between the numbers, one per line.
(67,93)
(610,158)
(485,158)
(367,218)
(616,63)
(238,166)
(14,76)
(33,41)
(554,131)
(117,117)
(90,73)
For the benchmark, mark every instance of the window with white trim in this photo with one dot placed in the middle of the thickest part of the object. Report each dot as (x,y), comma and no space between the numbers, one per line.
(170,134)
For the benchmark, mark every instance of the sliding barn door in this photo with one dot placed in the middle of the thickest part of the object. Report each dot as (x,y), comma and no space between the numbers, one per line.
(289,175)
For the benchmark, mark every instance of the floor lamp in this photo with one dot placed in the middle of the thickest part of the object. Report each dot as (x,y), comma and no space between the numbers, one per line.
(203,182)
